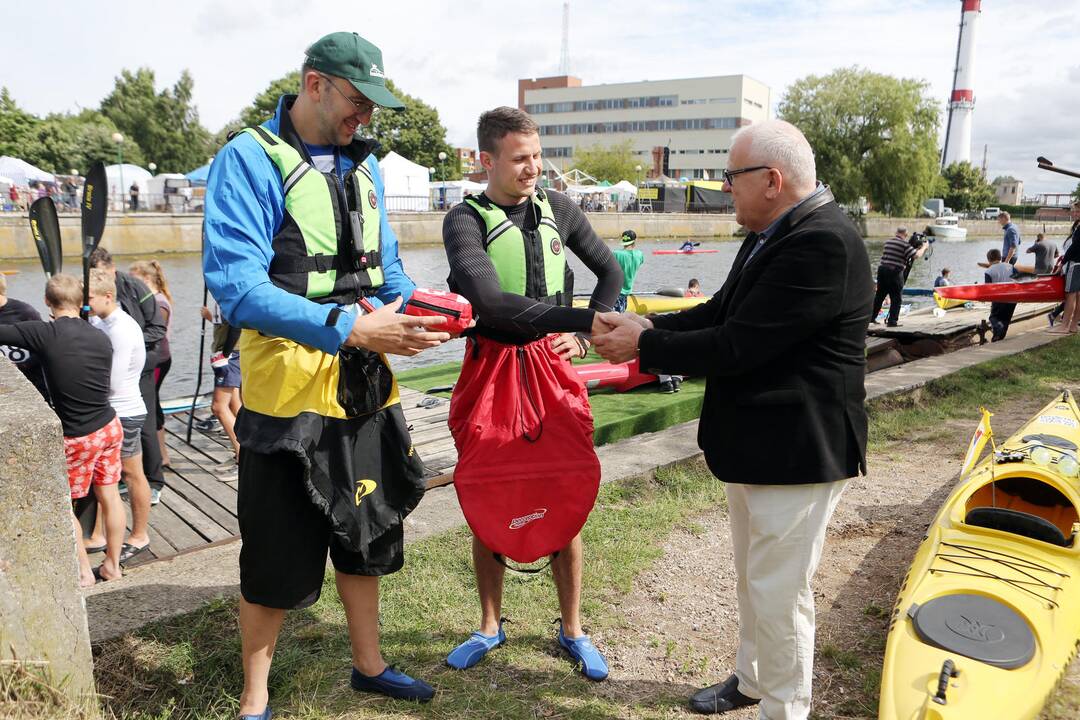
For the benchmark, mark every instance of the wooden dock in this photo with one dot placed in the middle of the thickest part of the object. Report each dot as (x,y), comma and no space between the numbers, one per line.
(198,504)
(958,328)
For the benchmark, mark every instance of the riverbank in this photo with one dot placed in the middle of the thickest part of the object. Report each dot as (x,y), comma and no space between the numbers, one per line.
(658,600)
(160,233)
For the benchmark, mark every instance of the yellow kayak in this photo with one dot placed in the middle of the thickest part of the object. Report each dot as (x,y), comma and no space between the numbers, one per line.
(948,303)
(647,303)
(989,614)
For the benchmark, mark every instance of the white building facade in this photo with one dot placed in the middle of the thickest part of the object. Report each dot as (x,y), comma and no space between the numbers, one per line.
(693,118)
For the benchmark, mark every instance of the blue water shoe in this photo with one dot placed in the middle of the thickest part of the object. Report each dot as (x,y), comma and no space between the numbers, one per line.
(264,715)
(393,683)
(474,649)
(581,649)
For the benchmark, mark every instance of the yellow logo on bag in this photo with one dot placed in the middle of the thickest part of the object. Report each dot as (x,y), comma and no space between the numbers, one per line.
(363,489)
(410,453)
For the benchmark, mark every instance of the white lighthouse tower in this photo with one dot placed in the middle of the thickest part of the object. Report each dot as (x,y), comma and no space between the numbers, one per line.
(962,100)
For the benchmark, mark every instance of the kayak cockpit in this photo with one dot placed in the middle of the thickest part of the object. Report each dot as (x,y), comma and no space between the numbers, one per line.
(1024,506)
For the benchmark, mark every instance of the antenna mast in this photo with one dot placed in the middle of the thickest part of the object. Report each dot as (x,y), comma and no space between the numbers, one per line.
(564,59)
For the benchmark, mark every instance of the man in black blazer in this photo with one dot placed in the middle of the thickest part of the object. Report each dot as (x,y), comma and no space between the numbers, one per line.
(782,348)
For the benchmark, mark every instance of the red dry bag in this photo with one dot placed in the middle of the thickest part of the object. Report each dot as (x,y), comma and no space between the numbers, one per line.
(527,473)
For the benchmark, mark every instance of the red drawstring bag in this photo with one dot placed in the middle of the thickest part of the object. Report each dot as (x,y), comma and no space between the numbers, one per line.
(527,473)
(455,308)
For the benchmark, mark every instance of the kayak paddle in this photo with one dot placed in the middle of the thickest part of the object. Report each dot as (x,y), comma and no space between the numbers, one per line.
(95,197)
(45,227)
(1045,164)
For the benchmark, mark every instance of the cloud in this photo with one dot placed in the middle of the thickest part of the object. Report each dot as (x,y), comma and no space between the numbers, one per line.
(464,59)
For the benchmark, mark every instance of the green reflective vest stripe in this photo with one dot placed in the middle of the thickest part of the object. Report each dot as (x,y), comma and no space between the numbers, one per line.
(533,267)
(312,253)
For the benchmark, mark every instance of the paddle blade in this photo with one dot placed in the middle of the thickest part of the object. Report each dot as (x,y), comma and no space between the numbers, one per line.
(94,205)
(45,227)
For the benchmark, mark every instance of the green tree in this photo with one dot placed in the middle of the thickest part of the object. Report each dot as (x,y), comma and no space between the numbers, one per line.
(415,133)
(1076,192)
(265,103)
(61,142)
(612,163)
(873,135)
(967,190)
(16,126)
(165,126)
(1002,179)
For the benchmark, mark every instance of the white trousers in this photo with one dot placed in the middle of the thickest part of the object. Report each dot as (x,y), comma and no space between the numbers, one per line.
(777,533)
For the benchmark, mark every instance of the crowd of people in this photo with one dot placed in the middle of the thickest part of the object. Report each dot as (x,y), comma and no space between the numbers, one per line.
(106,396)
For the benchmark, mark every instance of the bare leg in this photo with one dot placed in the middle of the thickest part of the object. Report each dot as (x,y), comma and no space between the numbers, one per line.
(566,569)
(222,407)
(259,628)
(1068,316)
(139,495)
(489,583)
(86,575)
(360,597)
(165,459)
(111,507)
(97,535)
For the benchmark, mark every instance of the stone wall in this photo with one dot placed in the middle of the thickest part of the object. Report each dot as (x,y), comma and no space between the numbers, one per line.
(42,611)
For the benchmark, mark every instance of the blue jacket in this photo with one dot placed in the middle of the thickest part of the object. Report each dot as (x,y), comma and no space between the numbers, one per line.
(245,206)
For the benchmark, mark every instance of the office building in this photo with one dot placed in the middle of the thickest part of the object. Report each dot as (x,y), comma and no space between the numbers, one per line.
(690,120)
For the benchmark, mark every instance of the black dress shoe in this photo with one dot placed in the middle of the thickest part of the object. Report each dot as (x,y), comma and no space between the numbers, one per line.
(720,698)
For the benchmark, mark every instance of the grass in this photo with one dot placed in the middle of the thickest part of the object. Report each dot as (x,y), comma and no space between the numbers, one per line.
(1038,373)
(188,667)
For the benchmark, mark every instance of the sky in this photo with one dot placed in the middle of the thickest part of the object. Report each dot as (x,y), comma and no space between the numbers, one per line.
(464,58)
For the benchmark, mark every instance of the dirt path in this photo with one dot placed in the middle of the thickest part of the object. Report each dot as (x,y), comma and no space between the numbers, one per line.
(680,622)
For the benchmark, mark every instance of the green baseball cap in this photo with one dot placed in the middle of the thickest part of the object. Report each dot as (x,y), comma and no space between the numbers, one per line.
(347,55)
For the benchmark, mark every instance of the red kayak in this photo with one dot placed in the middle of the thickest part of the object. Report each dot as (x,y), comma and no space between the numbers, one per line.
(1046,288)
(622,376)
(695,251)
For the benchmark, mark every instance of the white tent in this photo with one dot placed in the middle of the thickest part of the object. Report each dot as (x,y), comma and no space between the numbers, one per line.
(120,178)
(167,191)
(406,184)
(21,172)
(456,190)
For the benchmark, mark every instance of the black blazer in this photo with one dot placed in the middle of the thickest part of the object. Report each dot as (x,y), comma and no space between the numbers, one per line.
(782,346)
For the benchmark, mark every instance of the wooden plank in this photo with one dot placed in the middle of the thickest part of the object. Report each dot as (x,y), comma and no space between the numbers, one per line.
(173,529)
(199,440)
(196,458)
(195,518)
(220,493)
(179,485)
(440,480)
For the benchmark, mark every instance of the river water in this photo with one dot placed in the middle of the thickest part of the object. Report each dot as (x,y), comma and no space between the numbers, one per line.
(427,267)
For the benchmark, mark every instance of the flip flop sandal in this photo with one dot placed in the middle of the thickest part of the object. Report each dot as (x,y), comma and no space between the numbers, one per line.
(128,552)
(97,575)
(95,549)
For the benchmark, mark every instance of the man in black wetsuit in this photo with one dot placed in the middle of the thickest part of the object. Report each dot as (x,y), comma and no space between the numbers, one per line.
(505,250)
(13,311)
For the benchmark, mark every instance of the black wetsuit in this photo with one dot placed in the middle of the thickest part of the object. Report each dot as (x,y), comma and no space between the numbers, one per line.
(515,318)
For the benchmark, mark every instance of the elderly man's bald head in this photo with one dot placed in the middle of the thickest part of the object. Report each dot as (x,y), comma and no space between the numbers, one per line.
(781,145)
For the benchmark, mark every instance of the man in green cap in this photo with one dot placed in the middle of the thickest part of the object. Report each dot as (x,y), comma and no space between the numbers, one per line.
(298,251)
(630,260)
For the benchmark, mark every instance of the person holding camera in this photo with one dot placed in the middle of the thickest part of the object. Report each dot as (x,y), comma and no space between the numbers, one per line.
(896,259)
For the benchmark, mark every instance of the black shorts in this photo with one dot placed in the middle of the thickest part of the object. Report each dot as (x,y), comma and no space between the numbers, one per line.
(285,536)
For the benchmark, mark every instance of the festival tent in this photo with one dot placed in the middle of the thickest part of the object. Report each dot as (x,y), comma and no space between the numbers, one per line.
(21,172)
(406,184)
(119,179)
(199,175)
(457,189)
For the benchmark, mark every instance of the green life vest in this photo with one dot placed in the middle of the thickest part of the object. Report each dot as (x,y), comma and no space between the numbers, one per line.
(316,253)
(530,263)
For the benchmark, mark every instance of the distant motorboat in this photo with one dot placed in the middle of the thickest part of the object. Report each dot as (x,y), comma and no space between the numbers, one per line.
(947,227)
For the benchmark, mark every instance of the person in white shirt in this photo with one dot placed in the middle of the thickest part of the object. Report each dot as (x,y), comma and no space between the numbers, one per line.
(129,356)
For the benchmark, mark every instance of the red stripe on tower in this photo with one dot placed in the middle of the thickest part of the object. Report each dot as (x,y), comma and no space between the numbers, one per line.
(972,6)
(963,96)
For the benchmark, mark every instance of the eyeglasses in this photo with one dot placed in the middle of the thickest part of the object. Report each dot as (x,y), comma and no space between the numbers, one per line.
(728,174)
(364,107)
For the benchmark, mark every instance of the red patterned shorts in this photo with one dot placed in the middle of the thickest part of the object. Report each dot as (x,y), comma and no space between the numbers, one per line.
(94,458)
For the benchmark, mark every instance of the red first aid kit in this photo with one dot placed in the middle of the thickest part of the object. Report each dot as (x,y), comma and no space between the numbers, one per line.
(455,308)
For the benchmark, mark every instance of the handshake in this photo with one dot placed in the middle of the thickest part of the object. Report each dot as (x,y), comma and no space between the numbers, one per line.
(615,335)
